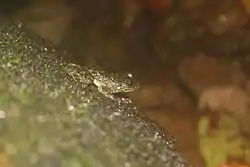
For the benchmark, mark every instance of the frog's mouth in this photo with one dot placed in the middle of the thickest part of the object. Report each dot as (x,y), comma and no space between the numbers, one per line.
(121,94)
(129,89)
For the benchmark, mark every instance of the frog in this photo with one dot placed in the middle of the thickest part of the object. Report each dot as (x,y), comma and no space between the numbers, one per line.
(107,83)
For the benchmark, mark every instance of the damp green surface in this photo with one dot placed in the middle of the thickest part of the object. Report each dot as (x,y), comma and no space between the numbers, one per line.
(50,120)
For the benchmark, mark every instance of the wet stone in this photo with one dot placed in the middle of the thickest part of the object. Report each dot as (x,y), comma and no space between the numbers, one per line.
(64,120)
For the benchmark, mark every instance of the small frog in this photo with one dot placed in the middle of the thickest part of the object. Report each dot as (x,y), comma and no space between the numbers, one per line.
(107,83)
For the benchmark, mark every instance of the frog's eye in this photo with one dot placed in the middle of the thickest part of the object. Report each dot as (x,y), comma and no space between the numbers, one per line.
(130,83)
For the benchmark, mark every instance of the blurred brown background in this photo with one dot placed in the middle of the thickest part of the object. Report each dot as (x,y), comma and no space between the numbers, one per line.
(176,48)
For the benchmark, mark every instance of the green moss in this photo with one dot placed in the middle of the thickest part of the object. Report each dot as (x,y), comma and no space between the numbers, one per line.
(216,145)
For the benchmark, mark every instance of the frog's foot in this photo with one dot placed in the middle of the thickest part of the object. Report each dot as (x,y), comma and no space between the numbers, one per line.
(107,94)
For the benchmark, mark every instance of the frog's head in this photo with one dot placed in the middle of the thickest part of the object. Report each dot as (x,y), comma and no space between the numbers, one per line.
(126,83)
(113,82)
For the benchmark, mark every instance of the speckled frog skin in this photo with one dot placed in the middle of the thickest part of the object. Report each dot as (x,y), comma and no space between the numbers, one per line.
(107,83)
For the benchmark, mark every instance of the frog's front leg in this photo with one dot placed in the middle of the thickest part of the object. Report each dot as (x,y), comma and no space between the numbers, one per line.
(106,93)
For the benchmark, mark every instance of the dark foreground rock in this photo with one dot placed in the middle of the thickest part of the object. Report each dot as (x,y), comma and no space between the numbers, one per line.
(47,119)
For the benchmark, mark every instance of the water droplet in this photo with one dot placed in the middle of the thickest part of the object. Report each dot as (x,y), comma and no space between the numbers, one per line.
(71,108)
(2,114)
(130,75)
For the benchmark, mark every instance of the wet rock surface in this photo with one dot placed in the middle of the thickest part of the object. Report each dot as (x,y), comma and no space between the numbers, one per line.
(182,51)
(50,119)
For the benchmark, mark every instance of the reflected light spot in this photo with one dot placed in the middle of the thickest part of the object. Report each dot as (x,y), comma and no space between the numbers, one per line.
(2,114)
